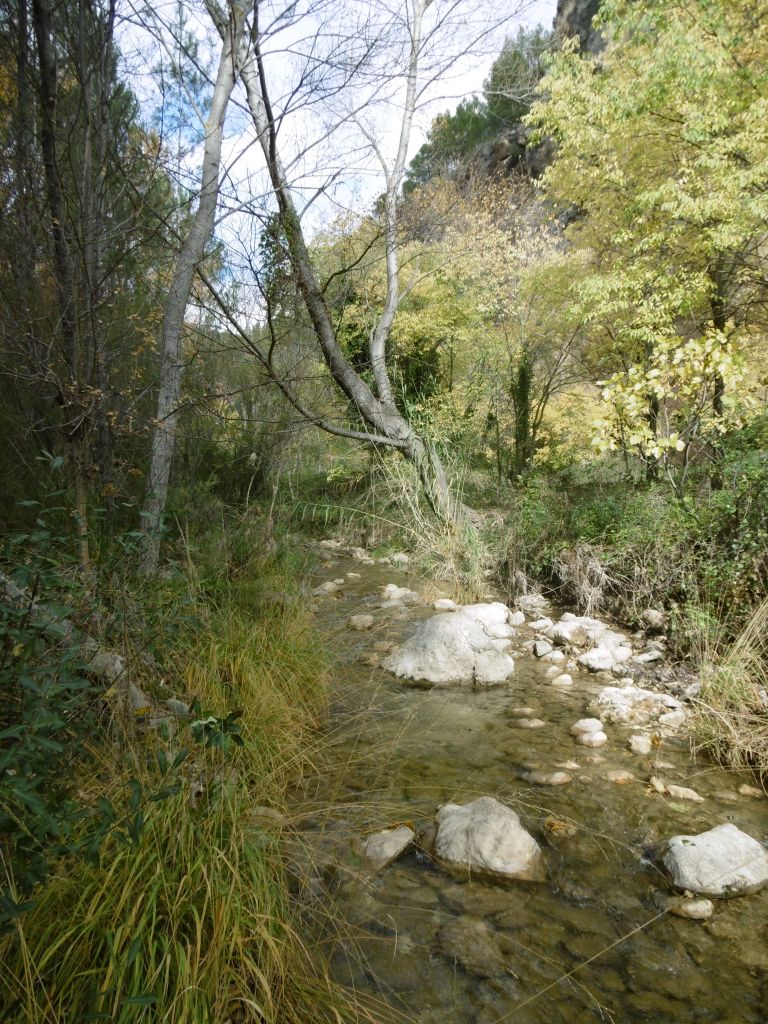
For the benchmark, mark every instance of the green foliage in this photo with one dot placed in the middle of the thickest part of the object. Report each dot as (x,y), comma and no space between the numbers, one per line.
(47,713)
(661,147)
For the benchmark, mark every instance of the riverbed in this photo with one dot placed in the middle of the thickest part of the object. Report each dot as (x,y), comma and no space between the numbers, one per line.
(594,942)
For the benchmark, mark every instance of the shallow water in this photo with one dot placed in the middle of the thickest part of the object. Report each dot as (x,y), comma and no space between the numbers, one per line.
(589,944)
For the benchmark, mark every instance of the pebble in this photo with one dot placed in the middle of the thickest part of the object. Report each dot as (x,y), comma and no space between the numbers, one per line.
(516,619)
(620,776)
(542,647)
(523,712)
(693,910)
(569,766)
(563,680)
(640,745)
(353,576)
(529,723)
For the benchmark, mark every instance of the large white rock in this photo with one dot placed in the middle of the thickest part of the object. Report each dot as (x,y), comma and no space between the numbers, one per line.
(449,650)
(486,836)
(721,862)
(492,614)
(633,704)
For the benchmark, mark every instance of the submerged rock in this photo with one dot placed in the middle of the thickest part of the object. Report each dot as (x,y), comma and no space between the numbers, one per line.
(486,836)
(361,622)
(472,945)
(586,725)
(393,594)
(684,793)
(640,744)
(722,862)
(449,650)
(563,679)
(328,589)
(542,778)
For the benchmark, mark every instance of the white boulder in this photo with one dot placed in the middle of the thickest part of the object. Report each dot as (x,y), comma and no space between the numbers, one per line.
(492,614)
(722,862)
(451,650)
(486,836)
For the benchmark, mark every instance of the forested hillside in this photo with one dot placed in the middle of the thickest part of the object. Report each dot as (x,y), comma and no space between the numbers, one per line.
(269,276)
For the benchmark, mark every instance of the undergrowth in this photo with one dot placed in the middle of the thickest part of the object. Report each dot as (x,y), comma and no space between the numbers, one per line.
(183,912)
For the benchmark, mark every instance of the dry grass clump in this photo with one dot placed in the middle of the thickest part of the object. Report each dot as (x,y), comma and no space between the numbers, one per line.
(731,721)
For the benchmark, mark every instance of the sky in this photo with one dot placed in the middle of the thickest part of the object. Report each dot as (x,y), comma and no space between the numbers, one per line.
(327,145)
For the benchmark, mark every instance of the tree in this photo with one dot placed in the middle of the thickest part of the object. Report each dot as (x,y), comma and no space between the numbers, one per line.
(419,34)
(192,250)
(455,139)
(662,153)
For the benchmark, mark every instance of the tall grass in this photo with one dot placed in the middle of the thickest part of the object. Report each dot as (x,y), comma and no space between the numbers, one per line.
(190,919)
(731,721)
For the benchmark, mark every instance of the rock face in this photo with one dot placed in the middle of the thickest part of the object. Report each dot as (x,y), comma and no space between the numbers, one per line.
(486,836)
(381,849)
(616,704)
(455,650)
(574,18)
(722,862)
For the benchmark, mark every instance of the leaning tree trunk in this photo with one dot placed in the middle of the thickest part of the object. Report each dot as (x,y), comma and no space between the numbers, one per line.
(187,262)
(379,412)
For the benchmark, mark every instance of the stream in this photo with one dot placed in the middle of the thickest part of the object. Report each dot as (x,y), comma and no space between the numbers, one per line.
(593,942)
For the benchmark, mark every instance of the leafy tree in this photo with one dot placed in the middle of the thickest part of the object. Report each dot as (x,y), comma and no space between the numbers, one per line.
(663,152)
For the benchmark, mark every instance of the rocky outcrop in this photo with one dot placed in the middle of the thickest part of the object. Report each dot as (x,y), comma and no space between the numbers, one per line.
(485,836)
(722,862)
(456,649)
(574,18)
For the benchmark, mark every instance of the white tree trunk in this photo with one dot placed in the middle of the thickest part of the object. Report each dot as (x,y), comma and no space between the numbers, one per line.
(187,262)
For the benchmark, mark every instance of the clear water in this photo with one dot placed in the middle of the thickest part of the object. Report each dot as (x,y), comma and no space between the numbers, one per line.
(590,944)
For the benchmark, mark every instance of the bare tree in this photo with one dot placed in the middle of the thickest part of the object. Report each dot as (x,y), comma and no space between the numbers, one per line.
(382,422)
